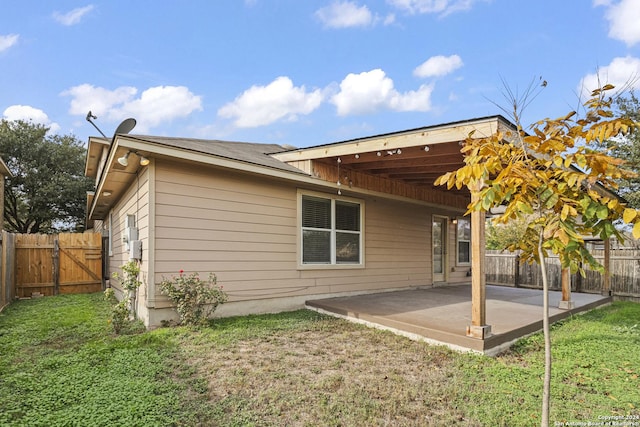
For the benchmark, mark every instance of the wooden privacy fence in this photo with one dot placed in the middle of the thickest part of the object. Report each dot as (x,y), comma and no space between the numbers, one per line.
(7,290)
(505,268)
(65,263)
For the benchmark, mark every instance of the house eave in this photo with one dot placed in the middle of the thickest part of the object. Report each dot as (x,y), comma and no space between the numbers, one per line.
(115,178)
(4,170)
(424,136)
(94,153)
(109,189)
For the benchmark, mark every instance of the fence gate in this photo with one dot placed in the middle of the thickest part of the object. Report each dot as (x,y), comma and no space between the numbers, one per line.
(65,263)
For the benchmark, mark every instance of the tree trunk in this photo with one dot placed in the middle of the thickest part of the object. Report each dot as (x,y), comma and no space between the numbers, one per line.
(546,392)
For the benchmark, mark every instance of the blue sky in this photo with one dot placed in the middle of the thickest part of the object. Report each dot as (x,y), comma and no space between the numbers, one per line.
(303,72)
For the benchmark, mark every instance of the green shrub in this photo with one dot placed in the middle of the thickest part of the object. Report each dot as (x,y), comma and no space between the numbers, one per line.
(195,299)
(119,316)
(123,311)
(129,278)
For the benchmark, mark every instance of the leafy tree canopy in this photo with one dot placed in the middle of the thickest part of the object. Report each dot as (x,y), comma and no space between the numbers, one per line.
(628,148)
(47,192)
(502,236)
(554,175)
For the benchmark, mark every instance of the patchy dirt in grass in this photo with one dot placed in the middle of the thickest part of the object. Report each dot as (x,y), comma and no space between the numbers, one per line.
(334,373)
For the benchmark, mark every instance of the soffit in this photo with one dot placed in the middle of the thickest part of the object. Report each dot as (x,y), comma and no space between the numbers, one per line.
(414,157)
(94,153)
(411,165)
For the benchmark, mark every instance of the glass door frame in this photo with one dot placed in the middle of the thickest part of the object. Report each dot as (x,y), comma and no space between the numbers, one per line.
(444,221)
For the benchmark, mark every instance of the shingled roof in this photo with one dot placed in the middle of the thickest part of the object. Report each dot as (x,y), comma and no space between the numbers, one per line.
(257,154)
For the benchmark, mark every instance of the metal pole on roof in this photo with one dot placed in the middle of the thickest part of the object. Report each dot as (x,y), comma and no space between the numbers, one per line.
(91,116)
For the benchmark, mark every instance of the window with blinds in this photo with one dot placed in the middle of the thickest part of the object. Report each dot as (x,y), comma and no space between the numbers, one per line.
(331,231)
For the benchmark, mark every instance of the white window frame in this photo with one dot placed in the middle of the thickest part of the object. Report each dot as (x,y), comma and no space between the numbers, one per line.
(458,240)
(332,264)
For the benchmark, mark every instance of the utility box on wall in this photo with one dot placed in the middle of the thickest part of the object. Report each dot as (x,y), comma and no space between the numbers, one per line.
(135,250)
(130,231)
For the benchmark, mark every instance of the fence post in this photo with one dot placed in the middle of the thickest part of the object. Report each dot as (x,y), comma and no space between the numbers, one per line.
(579,279)
(56,267)
(516,271)
(606,283)
(3,287)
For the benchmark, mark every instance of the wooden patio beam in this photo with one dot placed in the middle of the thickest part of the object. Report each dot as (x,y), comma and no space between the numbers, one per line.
(452,132)
(408,153)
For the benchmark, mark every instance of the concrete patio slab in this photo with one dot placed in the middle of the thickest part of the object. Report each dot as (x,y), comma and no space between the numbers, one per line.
(441,315)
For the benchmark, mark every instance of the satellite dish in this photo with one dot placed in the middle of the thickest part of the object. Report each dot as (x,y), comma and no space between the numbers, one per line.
(125,127)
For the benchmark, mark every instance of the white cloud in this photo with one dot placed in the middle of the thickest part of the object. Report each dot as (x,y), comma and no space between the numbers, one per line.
(624,20)
(345,14)
(443,7)
(72,17)
(363,93)
(99,100)
(620,72)
(437,66)
(389,19)
(7,41)
(28,113)
(414,100)
(161,104)
(154,106)
(263,105)
(371,91)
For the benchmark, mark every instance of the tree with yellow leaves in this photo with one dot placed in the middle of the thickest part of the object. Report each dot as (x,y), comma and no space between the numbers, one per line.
(565,188)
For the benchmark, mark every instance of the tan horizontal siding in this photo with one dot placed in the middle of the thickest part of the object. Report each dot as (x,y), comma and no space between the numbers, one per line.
(209,183)
(236,226)
(246,287)
(230,245)
(224,197)
(202,212)
(253,274)
(135,201)
(244,229)
(222,224)
(388,277)
(225,256)
(185,235)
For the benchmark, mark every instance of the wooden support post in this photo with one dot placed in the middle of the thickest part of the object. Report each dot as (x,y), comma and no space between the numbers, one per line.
(56,267)
(2,200)
(606,280)
(478,328)
(4,285)
(566,303)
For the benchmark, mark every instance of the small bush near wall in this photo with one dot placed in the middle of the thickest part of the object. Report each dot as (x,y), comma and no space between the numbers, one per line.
(123,312)
(195,299)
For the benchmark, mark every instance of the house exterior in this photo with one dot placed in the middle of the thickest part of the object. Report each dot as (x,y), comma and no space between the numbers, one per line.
(279,226)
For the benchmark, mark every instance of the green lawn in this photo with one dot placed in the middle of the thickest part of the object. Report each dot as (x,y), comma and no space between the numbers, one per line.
(60,365)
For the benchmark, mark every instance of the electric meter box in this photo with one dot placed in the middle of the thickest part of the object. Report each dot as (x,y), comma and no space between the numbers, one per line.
(135,249)
(131,233)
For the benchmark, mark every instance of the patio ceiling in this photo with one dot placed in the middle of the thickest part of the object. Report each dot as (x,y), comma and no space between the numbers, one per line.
(415,157)
(417,166)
